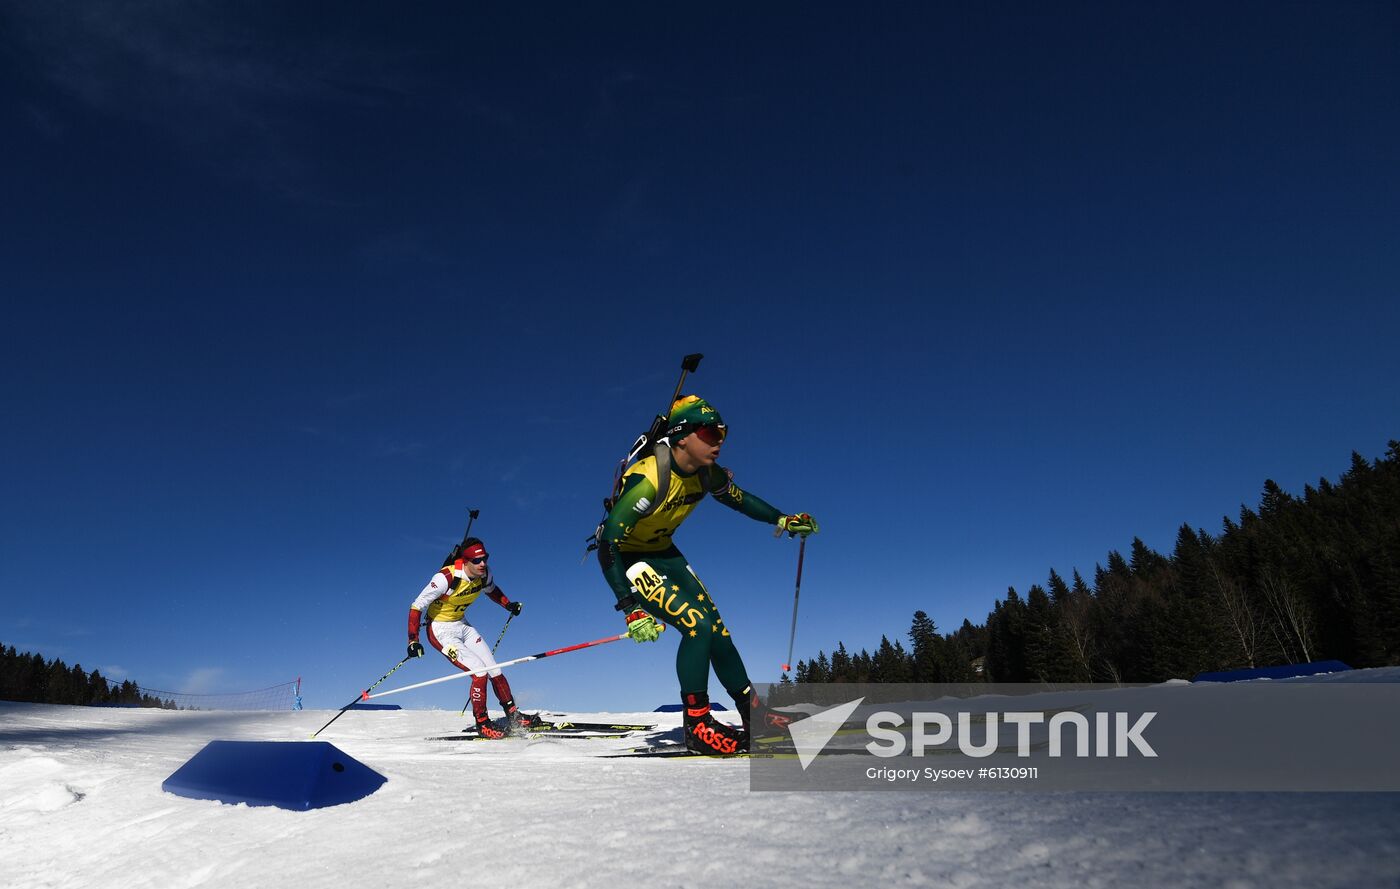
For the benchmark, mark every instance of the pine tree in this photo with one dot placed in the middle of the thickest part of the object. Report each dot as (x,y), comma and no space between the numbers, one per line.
(101,692)
(78,681)
(1273,501)
(9,674)
(1191,569)
(1006,642)
(967,647)
(863,667)
(1118,566)
(60,690)
(1145,565)
(890,664)
(841,670)
(1076,631)
(958,660)
(926,650)
(1040,637)
(38,680)
(1111,619)
(800,673)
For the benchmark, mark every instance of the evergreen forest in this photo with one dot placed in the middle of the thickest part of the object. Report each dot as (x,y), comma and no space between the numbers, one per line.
(1296,579)
(30,678)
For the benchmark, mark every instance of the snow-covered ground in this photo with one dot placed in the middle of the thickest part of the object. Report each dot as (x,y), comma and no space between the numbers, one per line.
(81,805)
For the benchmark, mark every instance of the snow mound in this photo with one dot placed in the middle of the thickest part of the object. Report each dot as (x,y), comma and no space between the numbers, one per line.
(34,784)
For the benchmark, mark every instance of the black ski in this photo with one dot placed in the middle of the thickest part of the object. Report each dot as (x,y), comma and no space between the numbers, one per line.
(589,727)
(547,729)
(677,753)
(681,753)
(532,736)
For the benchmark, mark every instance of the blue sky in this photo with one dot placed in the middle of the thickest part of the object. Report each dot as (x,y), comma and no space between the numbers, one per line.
(988,289)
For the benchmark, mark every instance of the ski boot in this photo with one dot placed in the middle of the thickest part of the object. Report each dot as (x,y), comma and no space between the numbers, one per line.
(705,734)
(523,722)
(487,729)
(752,709)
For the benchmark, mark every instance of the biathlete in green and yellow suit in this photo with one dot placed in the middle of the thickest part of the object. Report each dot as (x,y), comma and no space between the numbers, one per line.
(654,582)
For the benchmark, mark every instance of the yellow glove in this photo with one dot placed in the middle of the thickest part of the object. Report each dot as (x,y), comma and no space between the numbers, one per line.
(642,627)
(801,523)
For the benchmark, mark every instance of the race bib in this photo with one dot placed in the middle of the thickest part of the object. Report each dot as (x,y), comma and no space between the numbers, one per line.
(644,579)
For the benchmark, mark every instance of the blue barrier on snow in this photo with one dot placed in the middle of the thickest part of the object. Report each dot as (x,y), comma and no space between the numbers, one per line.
(676,708)
(1286,671)
(297,775)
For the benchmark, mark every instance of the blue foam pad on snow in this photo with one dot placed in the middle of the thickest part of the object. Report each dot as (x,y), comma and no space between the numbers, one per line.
(676,708)
(1284,671)
(297,775)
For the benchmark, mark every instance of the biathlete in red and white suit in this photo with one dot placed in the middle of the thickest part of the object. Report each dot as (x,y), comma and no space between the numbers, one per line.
(445,601)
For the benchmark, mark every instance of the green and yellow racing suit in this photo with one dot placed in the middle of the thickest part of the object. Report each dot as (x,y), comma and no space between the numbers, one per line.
(640,561)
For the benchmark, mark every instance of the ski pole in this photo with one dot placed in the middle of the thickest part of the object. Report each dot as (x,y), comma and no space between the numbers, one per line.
(519,660)
(363,696)
(797,591)
(503,634)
